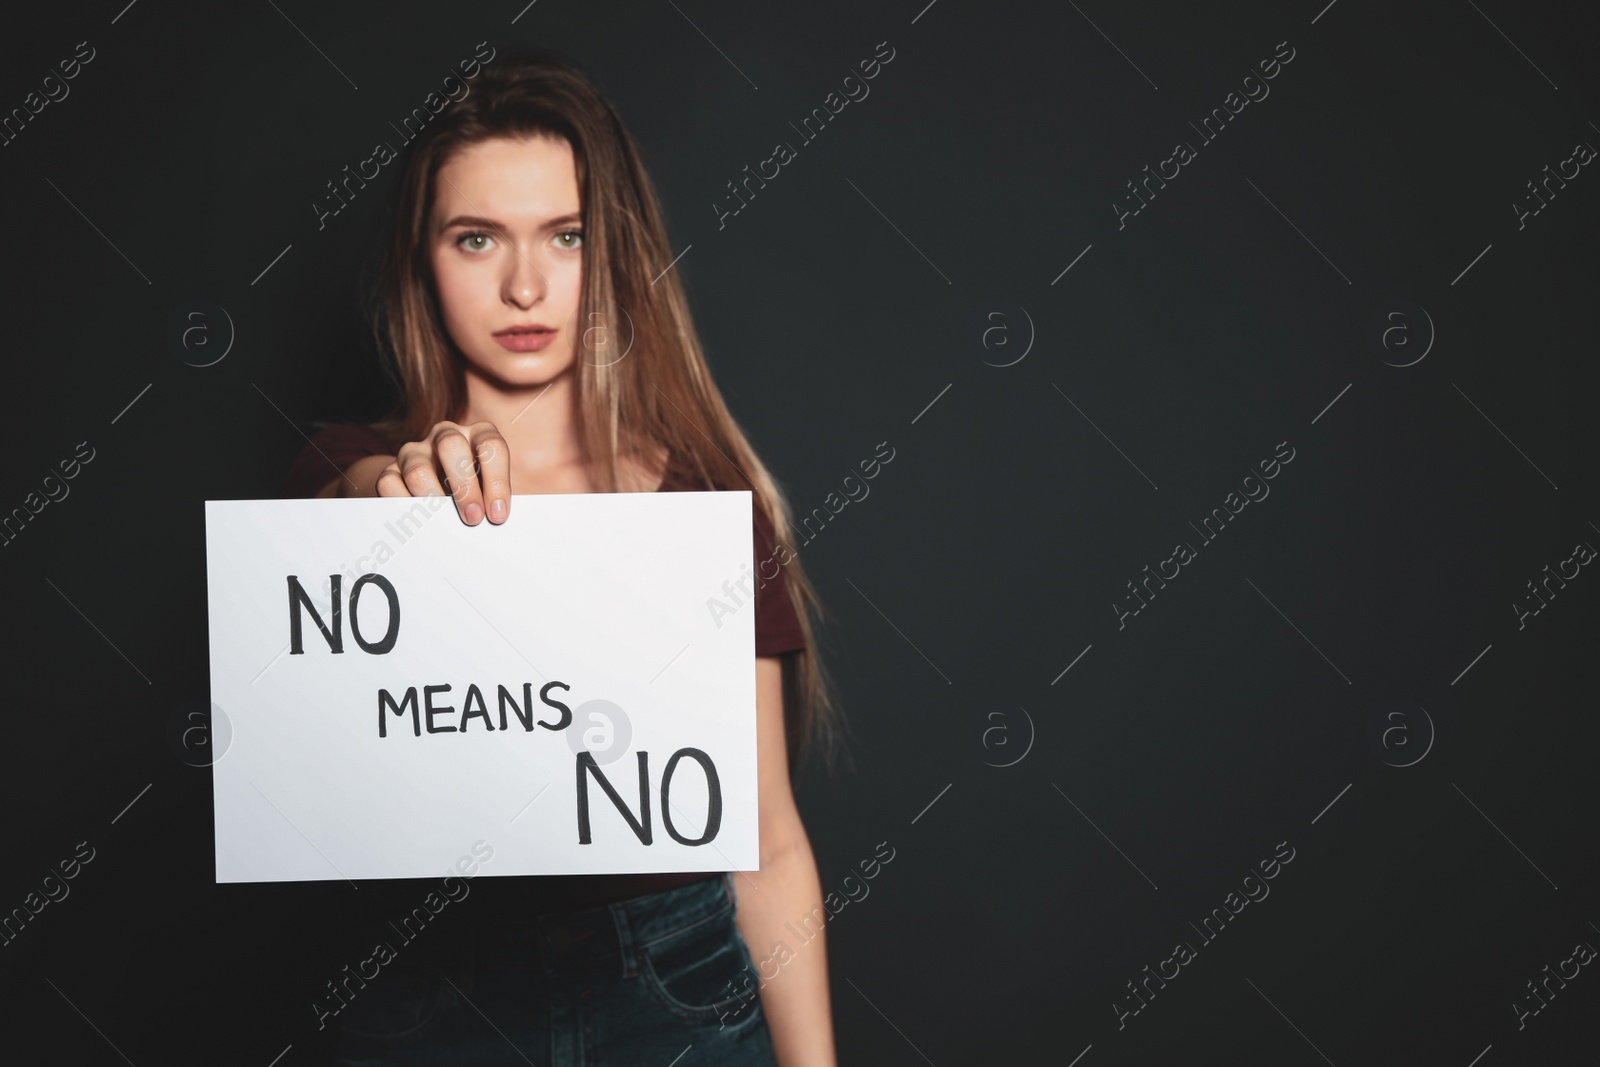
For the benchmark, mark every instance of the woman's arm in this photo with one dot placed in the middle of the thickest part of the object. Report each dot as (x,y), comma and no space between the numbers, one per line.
(785,890)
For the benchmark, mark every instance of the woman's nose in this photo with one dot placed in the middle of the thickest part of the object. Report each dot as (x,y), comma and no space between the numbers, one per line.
(525,283)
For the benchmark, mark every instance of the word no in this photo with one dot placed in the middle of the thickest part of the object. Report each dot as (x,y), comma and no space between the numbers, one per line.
(334,635)
(641,825)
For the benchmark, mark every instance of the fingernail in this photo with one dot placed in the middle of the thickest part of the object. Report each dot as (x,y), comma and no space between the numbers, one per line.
(497,511)
(474,514)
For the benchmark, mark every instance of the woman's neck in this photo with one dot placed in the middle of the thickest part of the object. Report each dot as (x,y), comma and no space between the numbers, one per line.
(541,426)
(539,423)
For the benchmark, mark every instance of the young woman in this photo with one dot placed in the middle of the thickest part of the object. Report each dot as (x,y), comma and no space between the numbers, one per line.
(543,344)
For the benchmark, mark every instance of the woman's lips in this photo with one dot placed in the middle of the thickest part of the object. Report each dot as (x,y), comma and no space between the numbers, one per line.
(525,340)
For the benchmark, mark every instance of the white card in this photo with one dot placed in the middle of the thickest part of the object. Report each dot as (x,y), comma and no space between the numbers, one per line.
(599,604)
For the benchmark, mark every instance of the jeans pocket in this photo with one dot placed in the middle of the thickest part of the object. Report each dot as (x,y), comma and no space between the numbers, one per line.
(703,973)
(398,1006)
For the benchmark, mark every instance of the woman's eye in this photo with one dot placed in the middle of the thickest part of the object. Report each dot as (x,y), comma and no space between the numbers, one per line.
(576,235)
(474,242)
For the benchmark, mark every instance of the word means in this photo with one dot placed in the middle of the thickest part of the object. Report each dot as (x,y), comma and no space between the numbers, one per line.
(33,103)
(1583,153)
(54,489)
(383,153)
(1582,953)
(33,903)
(783,953)
(1524,614)
(523,711)
(784,152)
(1183,952)
(1185,153)
(383,953)
(1183,554)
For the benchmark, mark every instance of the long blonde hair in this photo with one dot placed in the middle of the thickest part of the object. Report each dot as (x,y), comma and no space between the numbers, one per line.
(660,393)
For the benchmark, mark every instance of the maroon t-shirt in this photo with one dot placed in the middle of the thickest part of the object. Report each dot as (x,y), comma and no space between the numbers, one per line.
(329,453)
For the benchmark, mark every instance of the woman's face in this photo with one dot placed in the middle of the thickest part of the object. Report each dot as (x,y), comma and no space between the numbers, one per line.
(506,249)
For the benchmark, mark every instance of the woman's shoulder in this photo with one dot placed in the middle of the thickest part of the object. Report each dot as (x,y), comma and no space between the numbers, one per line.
(330,451)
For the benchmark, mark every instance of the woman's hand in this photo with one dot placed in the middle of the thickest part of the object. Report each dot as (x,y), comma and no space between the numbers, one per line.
(473,461)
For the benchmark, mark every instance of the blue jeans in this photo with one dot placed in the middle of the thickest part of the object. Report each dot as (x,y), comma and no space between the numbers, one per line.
(642,981)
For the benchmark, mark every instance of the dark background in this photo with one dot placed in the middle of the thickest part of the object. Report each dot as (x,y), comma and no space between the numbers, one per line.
(1225,318)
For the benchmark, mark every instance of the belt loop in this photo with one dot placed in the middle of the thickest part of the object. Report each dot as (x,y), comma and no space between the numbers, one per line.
(728,887)
(619,916)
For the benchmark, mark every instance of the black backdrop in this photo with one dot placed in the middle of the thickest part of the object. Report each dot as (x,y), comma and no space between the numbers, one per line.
(1341,272)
